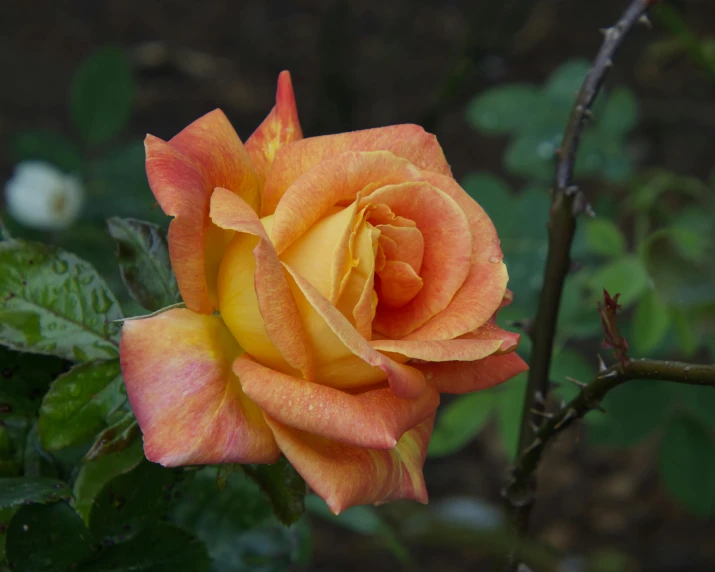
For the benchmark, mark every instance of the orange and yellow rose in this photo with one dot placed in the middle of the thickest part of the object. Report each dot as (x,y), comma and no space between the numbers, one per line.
(334,287)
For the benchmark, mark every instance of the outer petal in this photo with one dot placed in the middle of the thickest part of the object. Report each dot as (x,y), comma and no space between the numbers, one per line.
(346,476)
(374,419)
(279,128)
(446,260)
(490,331)
(338,178)
(275,300)
(408,141)
(182,174)
(440,351)
(485,285)
(189,404)
(405,381)
(465,377)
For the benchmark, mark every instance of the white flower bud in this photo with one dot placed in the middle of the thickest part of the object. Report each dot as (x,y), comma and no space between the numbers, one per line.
(41,196)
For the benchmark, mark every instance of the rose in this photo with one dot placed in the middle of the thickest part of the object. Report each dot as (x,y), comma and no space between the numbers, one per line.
(326,329)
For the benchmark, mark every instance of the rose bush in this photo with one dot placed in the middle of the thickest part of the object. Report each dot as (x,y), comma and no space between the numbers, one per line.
(334,287)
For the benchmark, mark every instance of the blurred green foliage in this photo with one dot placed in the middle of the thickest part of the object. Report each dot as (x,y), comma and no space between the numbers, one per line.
(652,241)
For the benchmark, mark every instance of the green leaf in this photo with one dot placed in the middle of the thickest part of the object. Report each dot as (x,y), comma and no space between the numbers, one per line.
(681,263)
(504,108)
(25,490)
(620,113)
(143,255)
(509,399)
(37,462)
(625,276)
(6,515)
(533,155)
(650,323)
(284,488)
(24,379)
(161,548)
(364,520)
(605,238)
(52,302)
(565,82)
(635,409)
(686,459)
(79,403)
(494,196)
(132,501)
(48,146)
(101,95)
(459,422)
(114,438)
(47,538)
(95,475)
(238,525)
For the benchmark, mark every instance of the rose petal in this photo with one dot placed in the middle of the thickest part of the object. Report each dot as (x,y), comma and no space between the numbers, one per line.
(410,142)
(338,178)
(374,419)
(188,402)
(490,331)
(485,285)
(182,174)
(465,377)
(279,128)
(399,283)
(403,243)
(447,248)
(277,306)
(440,351)
(405,381)
(346,476)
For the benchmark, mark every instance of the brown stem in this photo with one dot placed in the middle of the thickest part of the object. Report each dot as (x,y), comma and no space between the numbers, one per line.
(567,203)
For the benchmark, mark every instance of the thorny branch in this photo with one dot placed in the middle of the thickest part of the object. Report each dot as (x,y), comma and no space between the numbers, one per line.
(567,203)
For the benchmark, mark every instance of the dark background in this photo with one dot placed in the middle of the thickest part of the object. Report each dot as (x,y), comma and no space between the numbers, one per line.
(363,64)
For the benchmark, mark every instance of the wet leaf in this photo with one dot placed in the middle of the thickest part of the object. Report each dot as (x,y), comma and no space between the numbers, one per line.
(143,255)
(115,438)
(95,475)
(47,538)
(79,404)
(238,525)
(162,547)
(284,488)
(26,490)
(52,302)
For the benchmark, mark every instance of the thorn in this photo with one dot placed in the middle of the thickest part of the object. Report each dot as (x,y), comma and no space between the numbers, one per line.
(581,205)
(534,427)
(644,20)
(608,63)
(542,413)
(601,364)
(570,414)
(556,384)
(581,384)
(537,443)
(539,397)
(562,404)
(588,113)
(600,408)
(571,190)
(610,375)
